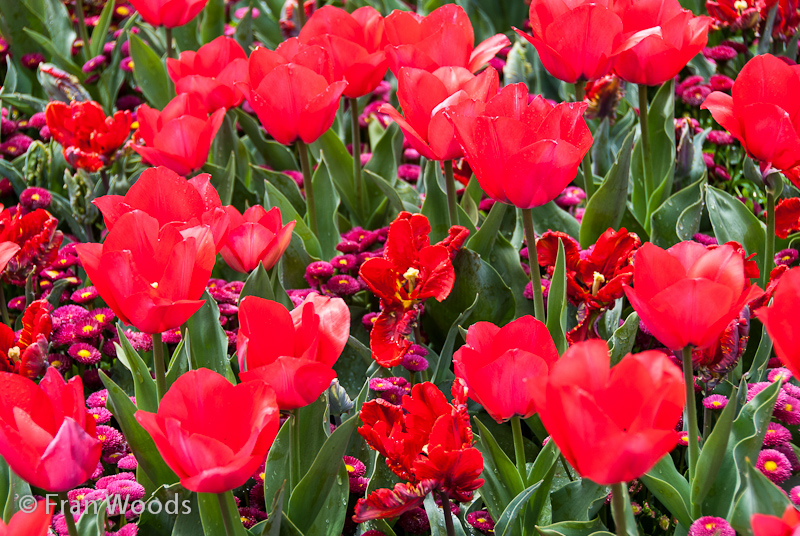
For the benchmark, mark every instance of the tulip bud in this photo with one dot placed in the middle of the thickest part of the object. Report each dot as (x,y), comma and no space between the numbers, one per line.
(80,188)
(38,161)
(338,400)
(773,181)
(60,85)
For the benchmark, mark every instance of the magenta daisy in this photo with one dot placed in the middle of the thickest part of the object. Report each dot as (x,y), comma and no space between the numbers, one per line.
(481,520)
(355,467)
(126,488)
(85,354)
(84,295)
(110,436)
(776,434)
(98,399)
(101,415)
(774,465)
(715,402)
(415,521)
(87,328)
(711,526)
(128,463)
(103,316)
(794,495)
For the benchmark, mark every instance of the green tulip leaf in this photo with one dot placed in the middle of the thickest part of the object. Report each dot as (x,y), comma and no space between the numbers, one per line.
(671,488)
(759,496)
(501,479)
(150,73)
(209,347)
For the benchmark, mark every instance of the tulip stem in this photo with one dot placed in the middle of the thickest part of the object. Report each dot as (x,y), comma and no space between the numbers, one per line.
(158,365)
(170,50)
(4,307)
(690,411)
(586,166)
(519,450)
(65,509)
(448,515)
(308,186)
(618,507)
(769,247)
(294,455)
(84,35)
(301,14)
(452,197)
(227,521)
(647,156)
(356,129)
(533,260)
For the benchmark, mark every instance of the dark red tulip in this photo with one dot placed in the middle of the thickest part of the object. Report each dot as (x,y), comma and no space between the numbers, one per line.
(668,38)
(444,38)
(410,271)
(424,98)
(292,90)
(355,43)
(170,199)
(26,354)
(576,40)
(780,319)
(427,441)
(257,236)
(88,138)
(761,112)
(764,525)
(37,235)
(522,153)
(503,368)
(210,72)
(169,13)
(179,136)
(25,523)
(151,276)
(213,447)
(687,294)
(294,352)
(630,409)
(47,436)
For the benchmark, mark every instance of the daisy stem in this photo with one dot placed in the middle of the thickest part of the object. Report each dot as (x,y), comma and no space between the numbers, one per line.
(519,450)
(691,411)
(706,417)
(618,507)
(227,519)
(586,166)
(769,247)
(64,500)
(158,365)
(301,14)
(4,307)
(82,33)
(452,197)
(170,50)
(533,260)
(448,515)
(647,155)
(356,130)
(308,186)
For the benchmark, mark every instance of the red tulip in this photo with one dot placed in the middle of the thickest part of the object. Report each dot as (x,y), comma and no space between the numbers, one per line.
(37,235)
(47,436)
(169,13)
(89,139)
(294,352)
(213,434)
(152,277)
(410,271)
(24,523)
(292,91)
(668,38)
(427,441)
(442,39)
(210,72)
(170,199)
(761,111)
(688,294)
(764,525)
(256,237)
(505,367)
(630,409)
(355,43)
(780,320)
(425,97)
(522,154)
(576,40)
(26,354)
(730,13)
(178,137)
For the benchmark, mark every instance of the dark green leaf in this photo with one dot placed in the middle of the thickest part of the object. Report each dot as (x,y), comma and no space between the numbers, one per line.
(607,206)
(149,73)
(144,385)
(671,488)
(209,343)
(446,355)
(678,218)
(211,515)
(557,301)
(578,500)
(436,517)
(759,496)
(551,218)
(501,478)
(509,516)
(621,343)
(276,471)
(327,207)
(733,221)
(574,528)
(275,198)
(213,24)
(100,31)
